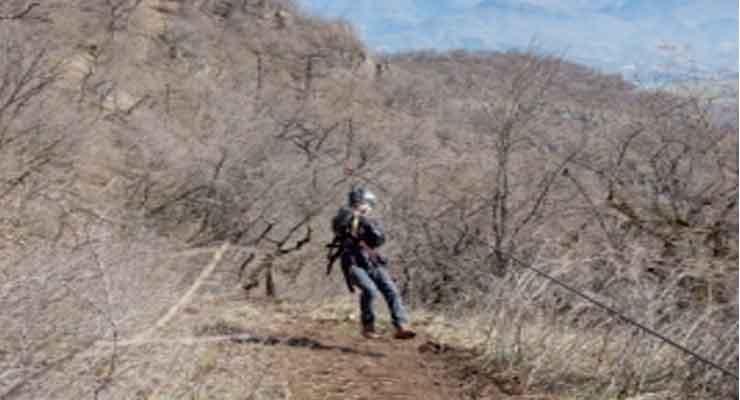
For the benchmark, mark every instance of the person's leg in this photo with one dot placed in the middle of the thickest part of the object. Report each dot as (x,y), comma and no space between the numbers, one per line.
(387,287)
(362,280)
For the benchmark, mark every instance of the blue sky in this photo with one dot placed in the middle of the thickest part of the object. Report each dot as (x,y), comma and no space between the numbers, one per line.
(625,36)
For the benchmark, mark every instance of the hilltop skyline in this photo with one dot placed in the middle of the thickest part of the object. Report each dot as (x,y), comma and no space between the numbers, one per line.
(693,37)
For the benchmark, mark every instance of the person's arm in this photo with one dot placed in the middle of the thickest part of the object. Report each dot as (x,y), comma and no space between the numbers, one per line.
(372,232)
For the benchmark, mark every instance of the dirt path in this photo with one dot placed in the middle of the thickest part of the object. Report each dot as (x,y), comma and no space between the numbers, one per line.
(315,358)
(253,348)
(327,358)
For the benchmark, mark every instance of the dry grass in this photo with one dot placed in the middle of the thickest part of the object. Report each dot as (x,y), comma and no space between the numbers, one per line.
(567,344)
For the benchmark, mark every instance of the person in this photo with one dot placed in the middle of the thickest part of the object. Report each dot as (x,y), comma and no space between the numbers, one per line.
(358,238)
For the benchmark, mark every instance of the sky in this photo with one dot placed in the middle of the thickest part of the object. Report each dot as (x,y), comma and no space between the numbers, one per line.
(645,37)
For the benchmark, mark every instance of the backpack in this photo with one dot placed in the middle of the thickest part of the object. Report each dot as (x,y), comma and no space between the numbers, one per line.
(341,223)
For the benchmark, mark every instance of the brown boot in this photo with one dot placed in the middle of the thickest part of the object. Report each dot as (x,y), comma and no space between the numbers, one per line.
(403,332)
(368,331)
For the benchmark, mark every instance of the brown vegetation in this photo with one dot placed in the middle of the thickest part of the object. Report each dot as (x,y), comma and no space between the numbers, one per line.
(136,135)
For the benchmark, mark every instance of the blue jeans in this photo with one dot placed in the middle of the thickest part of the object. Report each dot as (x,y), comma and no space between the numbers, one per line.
(371,281)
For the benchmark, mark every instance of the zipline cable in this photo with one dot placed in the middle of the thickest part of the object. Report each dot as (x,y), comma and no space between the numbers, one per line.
(623,317)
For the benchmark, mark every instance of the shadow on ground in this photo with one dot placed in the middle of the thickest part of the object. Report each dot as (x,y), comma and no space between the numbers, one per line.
(304,342)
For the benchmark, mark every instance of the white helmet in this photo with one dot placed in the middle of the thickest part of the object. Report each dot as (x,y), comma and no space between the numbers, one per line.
(360,195)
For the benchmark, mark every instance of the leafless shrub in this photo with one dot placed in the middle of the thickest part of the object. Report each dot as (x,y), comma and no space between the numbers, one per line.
(536,326)
(27,143)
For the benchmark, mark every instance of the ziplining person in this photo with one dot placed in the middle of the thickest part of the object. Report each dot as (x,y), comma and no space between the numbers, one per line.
(356,242)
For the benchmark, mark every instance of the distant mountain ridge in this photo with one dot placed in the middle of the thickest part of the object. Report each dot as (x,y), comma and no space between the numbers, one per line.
(622,36)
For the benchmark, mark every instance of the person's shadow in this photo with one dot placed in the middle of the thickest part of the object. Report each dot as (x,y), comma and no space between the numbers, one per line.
(304,342)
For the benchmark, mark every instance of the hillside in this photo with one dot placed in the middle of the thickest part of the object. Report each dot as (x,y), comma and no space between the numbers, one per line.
(170,168)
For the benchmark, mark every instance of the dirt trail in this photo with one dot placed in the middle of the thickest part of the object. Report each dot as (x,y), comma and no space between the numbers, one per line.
(255,348)
(319,358)
(329,359)
(287,350)
(305,356)
(315,358)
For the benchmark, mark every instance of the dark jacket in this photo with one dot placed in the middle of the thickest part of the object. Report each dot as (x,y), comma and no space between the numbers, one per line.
(360,249)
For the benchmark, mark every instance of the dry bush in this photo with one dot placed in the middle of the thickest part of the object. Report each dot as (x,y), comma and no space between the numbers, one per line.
(31,140)
(564,342)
